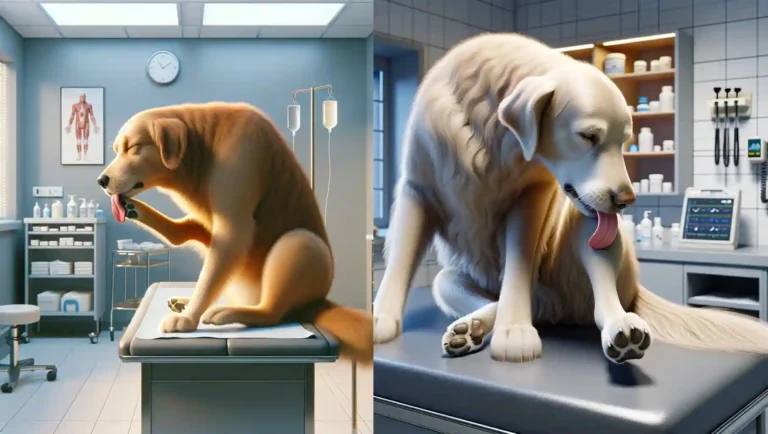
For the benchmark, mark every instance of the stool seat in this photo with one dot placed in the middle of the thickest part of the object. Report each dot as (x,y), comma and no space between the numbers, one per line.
(19,314)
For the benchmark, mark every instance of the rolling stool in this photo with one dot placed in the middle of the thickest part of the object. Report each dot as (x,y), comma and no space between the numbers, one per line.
(15,315)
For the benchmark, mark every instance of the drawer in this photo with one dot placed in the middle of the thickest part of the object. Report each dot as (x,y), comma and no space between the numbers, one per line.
(664,280)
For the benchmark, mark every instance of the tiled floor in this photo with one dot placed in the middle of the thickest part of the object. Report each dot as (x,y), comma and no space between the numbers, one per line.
(96,393)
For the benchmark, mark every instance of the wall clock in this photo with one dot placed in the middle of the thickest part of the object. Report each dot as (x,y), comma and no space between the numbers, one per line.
(163,67)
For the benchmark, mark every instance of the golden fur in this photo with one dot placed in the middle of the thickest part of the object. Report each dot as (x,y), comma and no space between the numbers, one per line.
(249,204)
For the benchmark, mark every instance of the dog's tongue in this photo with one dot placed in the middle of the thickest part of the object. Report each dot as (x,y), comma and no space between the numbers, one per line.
(607,229)
(119,211)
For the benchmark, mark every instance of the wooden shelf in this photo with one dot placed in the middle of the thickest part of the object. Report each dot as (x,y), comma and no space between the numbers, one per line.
(643,76)
(652,115)
(660,154)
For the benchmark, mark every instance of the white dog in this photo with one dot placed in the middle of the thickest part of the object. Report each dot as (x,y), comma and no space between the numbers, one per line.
(502,130)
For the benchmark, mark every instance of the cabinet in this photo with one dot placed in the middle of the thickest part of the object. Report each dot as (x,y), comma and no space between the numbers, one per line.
(664,280)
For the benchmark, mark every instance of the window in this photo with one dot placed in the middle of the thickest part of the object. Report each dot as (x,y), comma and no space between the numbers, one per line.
(382,195)
(6,171)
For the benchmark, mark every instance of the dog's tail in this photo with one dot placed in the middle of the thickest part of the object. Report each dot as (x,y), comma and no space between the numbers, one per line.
(352,327)
(701,328)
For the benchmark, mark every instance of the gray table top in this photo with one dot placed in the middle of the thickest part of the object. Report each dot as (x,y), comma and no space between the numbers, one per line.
(321,348)
(753,257)
(572,388)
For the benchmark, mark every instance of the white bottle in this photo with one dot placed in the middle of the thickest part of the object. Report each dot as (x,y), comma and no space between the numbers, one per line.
(71,207)
(639,233)
(36,211)
(667,99)
(674,235)
(645,229)
(658,233)
(83,209)
(46,212)
(91,209)
(645,140)
(58,209)
(628,226)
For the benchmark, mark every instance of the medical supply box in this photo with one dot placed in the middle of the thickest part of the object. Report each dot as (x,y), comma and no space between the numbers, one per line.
(77,301)
(49,301)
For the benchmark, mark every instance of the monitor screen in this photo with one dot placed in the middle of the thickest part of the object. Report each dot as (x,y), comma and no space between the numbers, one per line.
(708,219)
(754,148)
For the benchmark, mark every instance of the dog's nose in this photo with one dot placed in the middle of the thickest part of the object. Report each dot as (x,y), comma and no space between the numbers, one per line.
(624,199)
(103,181)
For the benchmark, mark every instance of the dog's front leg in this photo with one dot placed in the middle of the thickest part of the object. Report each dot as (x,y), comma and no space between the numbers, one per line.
(230,241)
(514,338)
(174,232)
(624,335)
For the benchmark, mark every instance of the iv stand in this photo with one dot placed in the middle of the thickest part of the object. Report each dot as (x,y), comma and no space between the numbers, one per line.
(311,91)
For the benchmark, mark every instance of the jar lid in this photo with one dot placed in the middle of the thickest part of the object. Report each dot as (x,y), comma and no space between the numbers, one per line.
(666,88)
(645,129)
(643,100)
(615,56)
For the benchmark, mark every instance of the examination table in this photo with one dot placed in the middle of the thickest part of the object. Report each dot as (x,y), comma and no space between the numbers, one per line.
(227,386)
(571,389)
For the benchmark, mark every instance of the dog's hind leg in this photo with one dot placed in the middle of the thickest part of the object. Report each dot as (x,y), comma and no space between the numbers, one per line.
(625,336)
(457,295)
(298,270)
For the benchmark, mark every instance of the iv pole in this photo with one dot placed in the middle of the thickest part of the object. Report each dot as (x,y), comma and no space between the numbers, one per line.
(311,91)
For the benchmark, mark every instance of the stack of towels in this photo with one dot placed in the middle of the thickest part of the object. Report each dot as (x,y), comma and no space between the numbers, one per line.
(84,268)
(39,268)
(60,268)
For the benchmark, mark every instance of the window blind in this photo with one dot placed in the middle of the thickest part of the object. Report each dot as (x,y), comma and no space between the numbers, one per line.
(5,170)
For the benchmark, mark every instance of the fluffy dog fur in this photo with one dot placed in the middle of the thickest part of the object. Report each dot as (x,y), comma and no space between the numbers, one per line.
(510,150)
(249,204)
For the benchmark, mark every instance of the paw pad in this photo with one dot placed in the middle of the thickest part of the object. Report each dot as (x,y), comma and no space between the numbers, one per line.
(176,305)
(461,338)
(629,339)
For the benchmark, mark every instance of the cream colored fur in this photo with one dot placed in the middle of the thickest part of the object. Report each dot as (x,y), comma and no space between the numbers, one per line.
(499,126)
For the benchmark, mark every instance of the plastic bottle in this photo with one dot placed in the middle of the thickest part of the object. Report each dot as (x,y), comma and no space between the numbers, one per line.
(658,233)
(674,235)
(639,233)
(58,209)
(645,139)
(83,209)
(36,211)
(642,104)
(46,212)
(628,226)
(646,228)
(667,99)
(91,209)
(71,207)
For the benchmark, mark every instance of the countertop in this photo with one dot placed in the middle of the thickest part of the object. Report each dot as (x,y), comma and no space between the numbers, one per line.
(752,257)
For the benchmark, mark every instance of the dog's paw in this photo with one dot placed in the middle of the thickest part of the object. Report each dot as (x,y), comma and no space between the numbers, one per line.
(385,328)
(625,338)
(515,343)
(221,315)
(464,336)
(131,211)
(178,304)
(178,322)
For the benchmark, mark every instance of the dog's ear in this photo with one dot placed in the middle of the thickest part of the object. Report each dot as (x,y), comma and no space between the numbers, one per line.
(170,135)
(521,111)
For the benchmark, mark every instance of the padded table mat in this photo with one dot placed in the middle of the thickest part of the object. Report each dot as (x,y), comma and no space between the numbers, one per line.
(571,389)
(321,345)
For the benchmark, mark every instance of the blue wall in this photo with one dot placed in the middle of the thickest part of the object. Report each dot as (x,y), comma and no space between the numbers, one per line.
(260,72)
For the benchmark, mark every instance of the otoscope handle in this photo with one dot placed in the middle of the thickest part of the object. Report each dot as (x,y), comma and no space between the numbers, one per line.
(717,146)
(736,146)
(726,151)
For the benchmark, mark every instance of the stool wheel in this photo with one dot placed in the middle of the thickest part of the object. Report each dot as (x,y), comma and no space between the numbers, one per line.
(51,375)
(6,388)
(94,338)
(25,338)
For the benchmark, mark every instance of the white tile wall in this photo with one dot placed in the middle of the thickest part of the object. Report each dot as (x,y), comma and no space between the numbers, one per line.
(440,24)
(730,49)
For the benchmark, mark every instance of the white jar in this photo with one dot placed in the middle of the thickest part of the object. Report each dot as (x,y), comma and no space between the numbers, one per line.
(656,148)
(665,63)
(644,186)
(655,66)
(631,108)
(614,63)
(669,145)
(666,187)
(674,235)
(654,182)
(636,187)
(654,106)
(645,140)
(667,99)
(641,66)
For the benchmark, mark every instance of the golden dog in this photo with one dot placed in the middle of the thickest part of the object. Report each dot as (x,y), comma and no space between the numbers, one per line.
(249,203)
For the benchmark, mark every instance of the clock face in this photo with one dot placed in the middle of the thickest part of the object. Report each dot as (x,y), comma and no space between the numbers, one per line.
(163,67)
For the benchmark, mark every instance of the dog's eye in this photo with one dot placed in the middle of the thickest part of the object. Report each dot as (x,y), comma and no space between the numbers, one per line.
(590,137)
